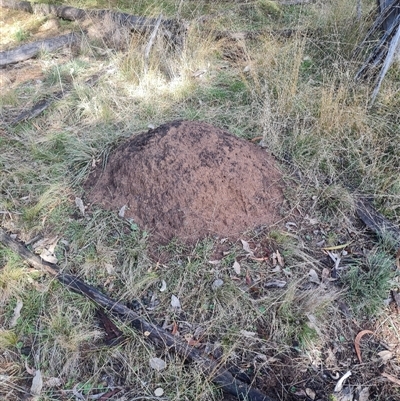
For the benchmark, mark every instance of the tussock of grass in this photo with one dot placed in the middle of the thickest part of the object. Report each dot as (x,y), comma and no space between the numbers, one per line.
(369,282)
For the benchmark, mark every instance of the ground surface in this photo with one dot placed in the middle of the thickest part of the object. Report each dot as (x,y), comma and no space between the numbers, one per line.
(188,180)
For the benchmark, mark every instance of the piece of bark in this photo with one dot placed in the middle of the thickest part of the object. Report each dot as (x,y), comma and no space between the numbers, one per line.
(31,50)
(218,375)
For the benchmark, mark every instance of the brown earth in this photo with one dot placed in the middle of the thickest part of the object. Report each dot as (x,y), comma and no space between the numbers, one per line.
(188,180)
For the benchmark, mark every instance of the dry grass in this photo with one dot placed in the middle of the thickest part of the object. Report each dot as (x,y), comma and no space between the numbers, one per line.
(298,94)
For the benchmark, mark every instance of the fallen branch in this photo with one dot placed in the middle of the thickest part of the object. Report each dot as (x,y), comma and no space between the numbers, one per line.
(219,376)
(383,54)
(295,2)
(43,104)
(251,35)
(38,108)
(31,50)
(391,54)
(173,29)
(375,221)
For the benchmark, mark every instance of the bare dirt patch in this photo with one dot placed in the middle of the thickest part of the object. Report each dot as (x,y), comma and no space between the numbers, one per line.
(188,180)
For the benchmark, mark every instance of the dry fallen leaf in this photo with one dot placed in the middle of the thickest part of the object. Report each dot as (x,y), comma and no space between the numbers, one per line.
(29,369)
(246,247)
(157,364)
(121,212)
(313,276)
(326,275)
(279,258)
(79,204)
(385,355)
(16,314)
(163,286)
(312,221)
(310,393)
(191,341)
(249,280)
(300,393)
(37,383)
(398,259)
(357,342)
(236,267)
(340,383)
(48,256)
(110,268)
(363,395)
(391,378)
(174,331)
(175,303)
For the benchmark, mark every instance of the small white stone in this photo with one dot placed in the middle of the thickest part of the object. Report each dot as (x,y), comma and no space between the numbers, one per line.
(158,392)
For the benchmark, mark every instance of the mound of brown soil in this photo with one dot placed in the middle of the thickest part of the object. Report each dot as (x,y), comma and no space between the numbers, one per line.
(188,180)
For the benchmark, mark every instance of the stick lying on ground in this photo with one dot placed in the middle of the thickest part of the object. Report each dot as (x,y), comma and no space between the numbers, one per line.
(376,221)
(43,104)
(219,376)
(173,29)
(31,50)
